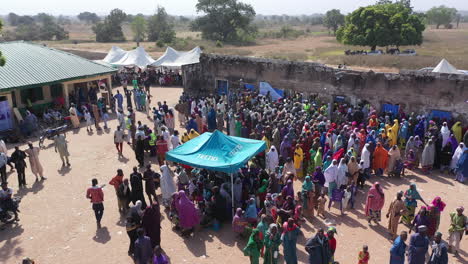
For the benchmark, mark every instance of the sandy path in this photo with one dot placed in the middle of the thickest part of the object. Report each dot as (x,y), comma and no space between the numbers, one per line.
(57,224)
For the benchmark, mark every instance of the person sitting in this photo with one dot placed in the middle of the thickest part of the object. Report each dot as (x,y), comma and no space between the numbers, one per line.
(6,201)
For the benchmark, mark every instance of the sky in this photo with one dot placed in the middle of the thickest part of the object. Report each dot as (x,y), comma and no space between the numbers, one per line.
(187,7)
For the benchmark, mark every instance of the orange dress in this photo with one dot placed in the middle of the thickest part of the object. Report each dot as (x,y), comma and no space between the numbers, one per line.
(380,158)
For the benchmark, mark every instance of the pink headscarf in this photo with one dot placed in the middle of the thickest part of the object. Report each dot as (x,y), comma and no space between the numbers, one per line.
(437,202)
(188,215)
(375,198)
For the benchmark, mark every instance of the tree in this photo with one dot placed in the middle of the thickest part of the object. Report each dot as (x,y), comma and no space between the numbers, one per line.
(441,15)
(333,20)
(2,58)
(139,28)
(110,30)
(225,20)
(16,20)
(88,17)
(159,28)
(382,25)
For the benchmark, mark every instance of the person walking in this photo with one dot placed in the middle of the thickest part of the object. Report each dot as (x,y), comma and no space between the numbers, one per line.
(60,145)
(318,248)
(96,196)
(35,165)
(140,151)
(18,158)
(131,226)
(375,203)
(74,116)
(116,181)
(150,185)
(143,250)
(458,225)
(418,246)
(395,211)
(151,223)
(397,252)
(89,121)
(253,247)
(136,181)
(289,237)
(272,242)
(119,137)
(124,194)
(439,250)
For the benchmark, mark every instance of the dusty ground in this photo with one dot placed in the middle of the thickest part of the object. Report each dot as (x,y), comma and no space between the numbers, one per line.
(57,224)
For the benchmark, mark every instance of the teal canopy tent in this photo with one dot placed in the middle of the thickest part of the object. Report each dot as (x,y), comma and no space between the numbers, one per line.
(216,151)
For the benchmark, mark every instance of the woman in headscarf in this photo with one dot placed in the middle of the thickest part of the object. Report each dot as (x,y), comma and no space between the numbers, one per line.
(328,161)
(380,160)
(353,169)
(193,134)
(289,237)
(394,155)
(272,242)
(238,192)
(318,178)
(151,222)
(253,247)
(439,207)
(168,186)
(188,215)
(308,195)
(74,116)
(239,224)
(262,191)
(462,167)
(288,189)
(428,156)
(135,212)
(403,133)
(285,148)
(418,149)
(211,120)
(445,156)
(445,132)
(420,129)
(272,159)
(409,145)
(456,156)
(457,131)
(342,178)
(391,139)
(251,211)
(331,177)
(318,160)
(411,197)
(338,143)
(421,219)
(374,204)
(298,161)
(365,156)
(453,141)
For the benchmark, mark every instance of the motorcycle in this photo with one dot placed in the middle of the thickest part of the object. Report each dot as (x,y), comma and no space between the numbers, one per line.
(50,133)
(7,215)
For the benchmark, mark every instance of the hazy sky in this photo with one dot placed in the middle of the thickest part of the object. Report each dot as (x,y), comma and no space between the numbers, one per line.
(187,7)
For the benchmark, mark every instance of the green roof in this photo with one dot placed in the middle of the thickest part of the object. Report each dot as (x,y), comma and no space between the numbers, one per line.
(31,65)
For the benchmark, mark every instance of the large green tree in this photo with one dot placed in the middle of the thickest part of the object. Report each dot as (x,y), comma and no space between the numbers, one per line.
(441,15)
(390,24)
(110,30)
(333,20)
(88,17)
(139,28)
(159,28)
(2,58)
(225,20)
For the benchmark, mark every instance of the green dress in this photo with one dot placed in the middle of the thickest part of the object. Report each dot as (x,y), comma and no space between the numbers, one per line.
(318,160)
(271,245)
(312,165)
(253,247)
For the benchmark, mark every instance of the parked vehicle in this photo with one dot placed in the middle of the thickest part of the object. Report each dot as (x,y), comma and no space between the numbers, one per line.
(50,133)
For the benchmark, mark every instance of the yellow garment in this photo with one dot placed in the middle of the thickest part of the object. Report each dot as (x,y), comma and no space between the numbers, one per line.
(298,158)
(457,131)
(391,137)
(185,138)
(395,128)
(193,134)
(267,142)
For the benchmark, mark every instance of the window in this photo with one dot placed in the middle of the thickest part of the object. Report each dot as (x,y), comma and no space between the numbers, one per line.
(56,90)
(32,94)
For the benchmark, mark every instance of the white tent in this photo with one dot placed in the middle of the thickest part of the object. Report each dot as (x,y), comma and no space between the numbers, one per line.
(174,58)
(114,55)
(445,67)
(137,57)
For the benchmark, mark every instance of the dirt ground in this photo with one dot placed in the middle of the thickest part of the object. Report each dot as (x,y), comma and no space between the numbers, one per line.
(57,224)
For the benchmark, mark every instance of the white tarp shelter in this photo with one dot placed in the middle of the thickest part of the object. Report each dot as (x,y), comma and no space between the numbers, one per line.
(114,55)
(445,67)
(174,58)
(137,57)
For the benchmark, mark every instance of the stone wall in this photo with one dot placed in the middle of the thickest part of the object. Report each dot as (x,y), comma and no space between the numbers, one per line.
(414,91)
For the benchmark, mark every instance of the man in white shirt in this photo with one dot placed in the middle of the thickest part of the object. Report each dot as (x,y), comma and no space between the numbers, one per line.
(119,137)
(175,141)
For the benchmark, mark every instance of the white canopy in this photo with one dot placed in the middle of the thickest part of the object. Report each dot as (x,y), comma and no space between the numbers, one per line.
(137,57)
(114,55)
(174,58)
(445,67)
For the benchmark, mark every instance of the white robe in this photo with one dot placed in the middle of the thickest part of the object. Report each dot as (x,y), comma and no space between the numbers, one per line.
(341,177)
(456,156)
(331,175)
(168,186)
(272,159)
(365,156)
(445,132)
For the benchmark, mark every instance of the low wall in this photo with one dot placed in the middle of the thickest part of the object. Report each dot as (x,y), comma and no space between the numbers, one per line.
(414,91)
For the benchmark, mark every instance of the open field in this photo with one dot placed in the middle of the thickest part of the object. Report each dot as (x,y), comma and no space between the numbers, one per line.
(315,45)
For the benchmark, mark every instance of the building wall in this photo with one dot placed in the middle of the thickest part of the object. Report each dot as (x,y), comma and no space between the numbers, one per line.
(414,91)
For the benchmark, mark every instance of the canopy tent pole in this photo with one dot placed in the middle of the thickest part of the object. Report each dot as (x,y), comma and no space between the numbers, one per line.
(232,193)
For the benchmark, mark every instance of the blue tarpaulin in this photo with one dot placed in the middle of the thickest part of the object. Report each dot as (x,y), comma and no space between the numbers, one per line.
(216,151)
(440,114)
(391,108)
(249,86)
(275,93)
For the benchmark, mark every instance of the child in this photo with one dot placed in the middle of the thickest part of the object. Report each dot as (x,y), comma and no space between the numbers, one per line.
(364,256)
(105,118)
(89,121)
(337,196)
(347,197)
(322,200)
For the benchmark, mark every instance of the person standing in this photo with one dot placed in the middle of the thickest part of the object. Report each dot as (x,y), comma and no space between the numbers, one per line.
(331,242)
(119,98)
(458,225)
(35,165)
(151,223)
(253,247)
(143,250)
(168,186)
(119,137)
(150,185)
(124,194)
(4,149)
(74,116)
(140,151)
(116,182)
(89,121)
(411,197)
(136,181)
(60,144)
(3,163)
(375,203)
(131,226)
(289,237)
(318,248)
(418,246)
(395,211)
(439,250)
(272,242)
(397,252)
(96,196)
(18,158)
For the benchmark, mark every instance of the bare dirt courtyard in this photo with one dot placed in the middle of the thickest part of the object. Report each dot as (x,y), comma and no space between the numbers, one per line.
(57,224)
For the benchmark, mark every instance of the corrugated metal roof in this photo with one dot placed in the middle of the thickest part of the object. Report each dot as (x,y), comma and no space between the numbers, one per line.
(30,65)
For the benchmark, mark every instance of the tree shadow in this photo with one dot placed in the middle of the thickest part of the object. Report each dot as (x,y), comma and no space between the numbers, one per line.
(102,235)
(64,170)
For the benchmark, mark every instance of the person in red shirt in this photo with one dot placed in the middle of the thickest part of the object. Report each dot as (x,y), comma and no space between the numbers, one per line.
(161,149)
(331,242)
(116,182)
(96,195)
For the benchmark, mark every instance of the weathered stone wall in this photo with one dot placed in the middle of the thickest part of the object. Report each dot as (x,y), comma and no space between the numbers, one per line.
(414,91)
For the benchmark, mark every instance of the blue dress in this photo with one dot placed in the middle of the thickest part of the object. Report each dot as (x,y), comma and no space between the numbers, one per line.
(397,252)
(289,246)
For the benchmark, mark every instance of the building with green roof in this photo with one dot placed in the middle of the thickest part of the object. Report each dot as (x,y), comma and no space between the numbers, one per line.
(35,75)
